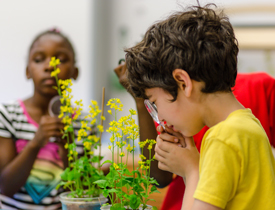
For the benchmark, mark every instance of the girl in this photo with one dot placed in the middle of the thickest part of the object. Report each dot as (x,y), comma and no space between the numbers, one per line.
(30,165)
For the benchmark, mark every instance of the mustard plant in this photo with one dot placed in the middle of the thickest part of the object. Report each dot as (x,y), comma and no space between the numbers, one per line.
(82,171)
(127,189)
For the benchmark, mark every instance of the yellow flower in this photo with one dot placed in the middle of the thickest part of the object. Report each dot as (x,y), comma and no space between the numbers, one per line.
(112,139)
(61,115)
(66,146)
(110,112)
(102,118)
(110,147)
(54,62)
(129,148)
(118,135)
(121,154)
(55,72)
(115,166)
(100,128)
(93,102)
(142,157)
(87,145)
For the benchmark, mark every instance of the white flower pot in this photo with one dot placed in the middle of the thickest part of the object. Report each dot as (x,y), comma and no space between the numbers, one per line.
(87,203)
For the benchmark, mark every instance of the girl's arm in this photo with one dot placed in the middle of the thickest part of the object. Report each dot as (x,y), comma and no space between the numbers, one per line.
(15,169)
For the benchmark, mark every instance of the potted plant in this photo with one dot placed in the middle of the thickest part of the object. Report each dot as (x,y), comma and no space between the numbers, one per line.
(82,171)
(127,189)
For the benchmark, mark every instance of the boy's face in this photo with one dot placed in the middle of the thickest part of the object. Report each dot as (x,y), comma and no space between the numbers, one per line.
(180,115)
(38,68)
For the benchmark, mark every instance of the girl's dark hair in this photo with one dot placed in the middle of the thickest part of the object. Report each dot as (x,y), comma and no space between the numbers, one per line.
(198,41)
(55,32)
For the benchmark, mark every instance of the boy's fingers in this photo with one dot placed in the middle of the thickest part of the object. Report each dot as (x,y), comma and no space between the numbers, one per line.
(163,166)
(159,157)
(160,129)
(168,137)
(174,133)
(161,145)
(171,135)
(182,142)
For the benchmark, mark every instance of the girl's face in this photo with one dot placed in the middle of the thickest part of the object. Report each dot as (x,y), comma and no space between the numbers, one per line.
(181,115)
(47,46)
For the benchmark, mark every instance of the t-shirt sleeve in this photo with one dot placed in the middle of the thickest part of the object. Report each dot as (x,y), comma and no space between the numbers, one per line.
(6,128)
(219,173)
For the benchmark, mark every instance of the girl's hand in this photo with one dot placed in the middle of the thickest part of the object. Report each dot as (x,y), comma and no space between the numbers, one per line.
(183,161)
(171,136)
(121,72)
(48,127)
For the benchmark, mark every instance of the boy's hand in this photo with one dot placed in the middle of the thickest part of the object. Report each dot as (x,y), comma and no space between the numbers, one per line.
(48,127)
(183,161)
(171,136)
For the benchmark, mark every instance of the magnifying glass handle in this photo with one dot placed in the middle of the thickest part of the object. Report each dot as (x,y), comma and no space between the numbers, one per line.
(162,125)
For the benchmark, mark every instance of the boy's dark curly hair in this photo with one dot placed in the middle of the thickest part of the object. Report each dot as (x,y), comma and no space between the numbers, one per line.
(198,41)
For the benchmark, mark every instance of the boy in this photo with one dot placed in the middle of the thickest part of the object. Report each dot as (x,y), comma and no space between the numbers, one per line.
(186,66)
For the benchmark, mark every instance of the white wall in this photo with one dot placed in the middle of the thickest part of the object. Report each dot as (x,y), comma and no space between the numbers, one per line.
(99,30)
(21,21)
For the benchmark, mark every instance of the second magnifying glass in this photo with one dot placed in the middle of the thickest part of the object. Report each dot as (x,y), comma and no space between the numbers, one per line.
(153,112)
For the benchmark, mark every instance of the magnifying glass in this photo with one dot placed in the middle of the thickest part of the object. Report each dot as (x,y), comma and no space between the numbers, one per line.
(54,110)
(54,106)
(152,109)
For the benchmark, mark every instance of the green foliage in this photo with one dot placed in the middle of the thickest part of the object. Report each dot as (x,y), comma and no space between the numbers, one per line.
(126,189)
(82,172)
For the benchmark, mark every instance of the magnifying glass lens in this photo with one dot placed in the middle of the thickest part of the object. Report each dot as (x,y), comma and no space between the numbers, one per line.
(152,109)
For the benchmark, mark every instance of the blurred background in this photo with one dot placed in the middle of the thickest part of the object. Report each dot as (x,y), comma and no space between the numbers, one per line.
(101,29)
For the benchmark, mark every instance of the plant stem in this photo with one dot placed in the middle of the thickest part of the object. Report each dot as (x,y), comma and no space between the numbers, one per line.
(101,123)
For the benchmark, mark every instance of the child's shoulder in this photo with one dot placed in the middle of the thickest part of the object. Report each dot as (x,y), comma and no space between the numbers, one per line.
(10,106)
(240,125)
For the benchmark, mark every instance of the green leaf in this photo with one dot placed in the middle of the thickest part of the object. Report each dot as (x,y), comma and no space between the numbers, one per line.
(58,186)
(105,193)
(101,183)
(154,208)
(117,206)
(64,175)
(113,190)
(134,201)
(107,161)
(154,189)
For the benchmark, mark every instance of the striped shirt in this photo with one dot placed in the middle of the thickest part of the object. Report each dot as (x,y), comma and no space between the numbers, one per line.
(39,190)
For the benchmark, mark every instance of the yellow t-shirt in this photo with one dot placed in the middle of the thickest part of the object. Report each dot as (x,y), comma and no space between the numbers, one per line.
(237,168)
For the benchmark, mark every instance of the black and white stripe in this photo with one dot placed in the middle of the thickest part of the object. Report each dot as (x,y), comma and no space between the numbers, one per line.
(14,124)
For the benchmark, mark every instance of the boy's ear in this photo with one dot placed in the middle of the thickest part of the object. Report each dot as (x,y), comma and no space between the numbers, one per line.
(28,74)
(183,80)
(75,75)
